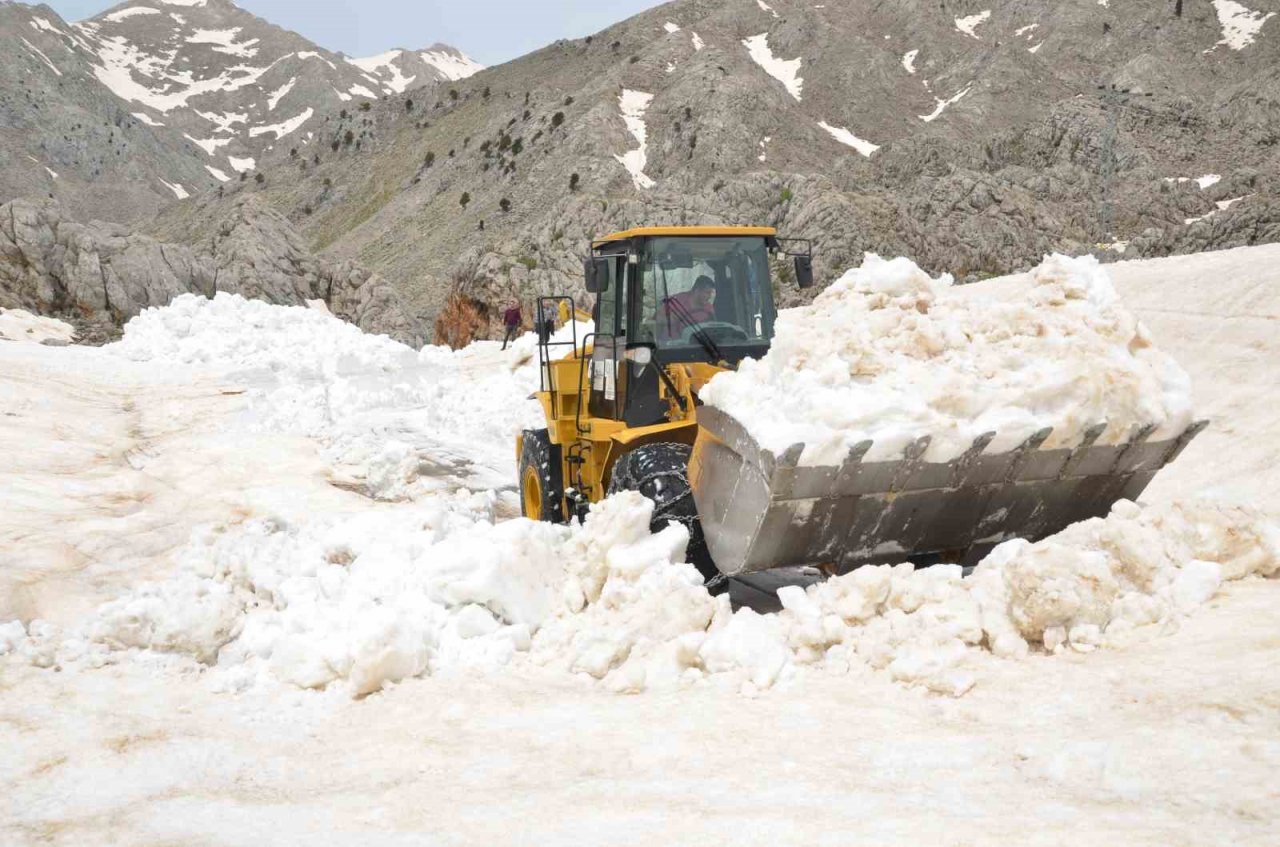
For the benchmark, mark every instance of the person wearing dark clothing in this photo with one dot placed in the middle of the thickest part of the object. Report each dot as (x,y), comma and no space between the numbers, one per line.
(511,319)
(693,307)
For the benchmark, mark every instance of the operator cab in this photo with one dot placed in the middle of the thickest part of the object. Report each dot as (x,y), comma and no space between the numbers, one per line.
(677,295)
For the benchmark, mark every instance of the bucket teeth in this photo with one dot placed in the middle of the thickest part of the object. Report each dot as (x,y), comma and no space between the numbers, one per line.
(761,511)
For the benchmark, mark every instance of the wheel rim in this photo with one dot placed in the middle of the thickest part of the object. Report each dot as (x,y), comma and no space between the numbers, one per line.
(532,494)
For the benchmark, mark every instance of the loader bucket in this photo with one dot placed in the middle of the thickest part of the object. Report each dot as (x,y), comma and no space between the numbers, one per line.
(761,511)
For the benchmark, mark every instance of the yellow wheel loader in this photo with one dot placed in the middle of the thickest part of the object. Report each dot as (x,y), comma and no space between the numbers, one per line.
(677,305)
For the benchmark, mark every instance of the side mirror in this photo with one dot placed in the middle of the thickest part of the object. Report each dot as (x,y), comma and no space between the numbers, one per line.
(596,274)
(804,271)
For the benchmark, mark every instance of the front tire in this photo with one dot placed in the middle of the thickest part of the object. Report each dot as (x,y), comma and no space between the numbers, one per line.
(541,478)
(661,473)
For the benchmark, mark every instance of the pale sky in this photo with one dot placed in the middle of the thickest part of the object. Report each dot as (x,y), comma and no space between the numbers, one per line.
(489,31)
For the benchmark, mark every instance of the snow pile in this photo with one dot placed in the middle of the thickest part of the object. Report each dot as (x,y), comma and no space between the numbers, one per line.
(384,597)
(390,595)
(396,423)
(889,355)
(18,325)
(969,25)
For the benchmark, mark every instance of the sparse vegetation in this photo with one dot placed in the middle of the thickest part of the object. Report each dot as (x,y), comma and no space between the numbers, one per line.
(453,94)
(430,159)
(574,180)
(786,195)
(464,199)
(366,106)
(504,204)
(529,262)
(557,119)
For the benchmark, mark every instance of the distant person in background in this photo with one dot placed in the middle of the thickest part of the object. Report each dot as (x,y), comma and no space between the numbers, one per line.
(511,319)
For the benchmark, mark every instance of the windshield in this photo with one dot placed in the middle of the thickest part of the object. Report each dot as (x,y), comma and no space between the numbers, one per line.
(706,293)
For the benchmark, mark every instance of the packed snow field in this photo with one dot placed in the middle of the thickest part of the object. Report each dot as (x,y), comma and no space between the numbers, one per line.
(292,550)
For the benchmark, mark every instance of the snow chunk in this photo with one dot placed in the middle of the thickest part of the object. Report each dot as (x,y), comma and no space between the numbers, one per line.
(698,43)
(846,137)
(766,7)
(784,71)
(943,104)
(242,165)
(671,28)
(1240,25)
(24,327)
(284,128)
(1208,180)
(972,22)
(633,105)
(887,354)
(217,174)
(361,91)
(909,60)
(147,119)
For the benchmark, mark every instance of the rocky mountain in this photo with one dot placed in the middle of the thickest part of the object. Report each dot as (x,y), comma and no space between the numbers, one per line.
(99,275)
(972,135)
(156,100)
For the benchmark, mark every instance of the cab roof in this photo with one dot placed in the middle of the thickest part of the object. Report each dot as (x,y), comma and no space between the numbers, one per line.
(694,231)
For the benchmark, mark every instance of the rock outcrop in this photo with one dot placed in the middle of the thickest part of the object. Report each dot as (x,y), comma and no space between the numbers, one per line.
(99,272)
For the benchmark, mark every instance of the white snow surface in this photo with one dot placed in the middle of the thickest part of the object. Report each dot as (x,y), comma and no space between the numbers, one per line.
(633,105)
(844,136)
(785,71)
(130,12)
(284,127)
(889,355)
(239,503)
(450,66)
(943,104)
(969,25)
(1240,25)
(17,325)
(909,60)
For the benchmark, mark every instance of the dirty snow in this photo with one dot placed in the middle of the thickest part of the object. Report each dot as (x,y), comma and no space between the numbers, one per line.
(633,105)
(847,138)
(21,326)
(785,71)
(1240,25)
(969,25)
(889,355)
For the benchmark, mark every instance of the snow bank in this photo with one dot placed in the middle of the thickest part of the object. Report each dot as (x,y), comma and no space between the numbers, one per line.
(366,602)
(890,355)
